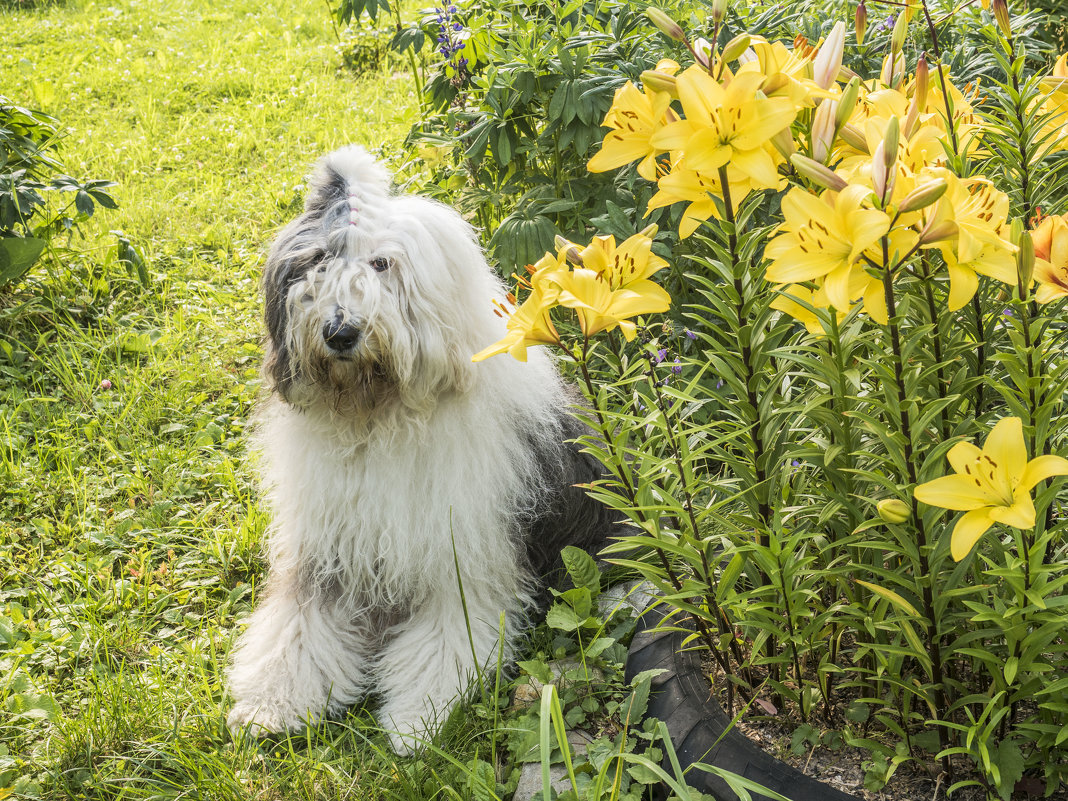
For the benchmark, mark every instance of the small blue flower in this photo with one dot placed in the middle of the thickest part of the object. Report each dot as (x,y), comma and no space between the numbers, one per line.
(676,368)
(719,384)
(690,335)
(795,463)
(661,355)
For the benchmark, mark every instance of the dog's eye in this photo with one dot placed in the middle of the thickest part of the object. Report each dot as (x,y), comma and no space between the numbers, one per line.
(381,264)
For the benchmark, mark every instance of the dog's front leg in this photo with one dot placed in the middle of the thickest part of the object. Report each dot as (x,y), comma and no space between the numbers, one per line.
(430,661)
(304,654)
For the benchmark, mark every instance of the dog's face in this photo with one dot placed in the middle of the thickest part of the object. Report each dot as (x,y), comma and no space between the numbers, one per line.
(373,298)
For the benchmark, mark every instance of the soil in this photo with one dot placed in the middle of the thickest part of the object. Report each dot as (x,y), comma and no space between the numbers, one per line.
(915,780)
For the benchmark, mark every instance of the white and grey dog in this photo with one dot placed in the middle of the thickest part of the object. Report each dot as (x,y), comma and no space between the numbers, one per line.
(384,450)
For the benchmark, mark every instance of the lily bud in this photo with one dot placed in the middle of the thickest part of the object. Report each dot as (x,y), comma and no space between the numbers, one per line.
(823,130)
(892,140)
(901,29)
(881,176)
(649,231)
(847,102)
(919,97)
(665,24)
(659,82)
(736,46)
(819,174)
(893,69)
(1025,257)
(860,22)
(1001,14)
(893,510)
(854,137)
(829,58)
(938,231)
(845,75)
(702,49)
(784,143)
(719,10)
(571,249)
(924,196)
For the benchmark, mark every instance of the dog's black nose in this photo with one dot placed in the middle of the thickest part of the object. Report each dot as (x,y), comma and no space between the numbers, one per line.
(341,334)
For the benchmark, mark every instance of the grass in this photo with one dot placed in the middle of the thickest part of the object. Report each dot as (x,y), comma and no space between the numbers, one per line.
(129,527)
(129,530)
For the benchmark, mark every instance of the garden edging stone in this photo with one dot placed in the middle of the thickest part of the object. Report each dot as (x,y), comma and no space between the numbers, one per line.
(700,730)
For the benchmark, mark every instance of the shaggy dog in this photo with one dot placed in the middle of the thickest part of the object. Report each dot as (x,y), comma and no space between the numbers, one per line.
(387,458)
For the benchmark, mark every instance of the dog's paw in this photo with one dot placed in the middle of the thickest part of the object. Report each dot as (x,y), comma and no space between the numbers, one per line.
(262,718)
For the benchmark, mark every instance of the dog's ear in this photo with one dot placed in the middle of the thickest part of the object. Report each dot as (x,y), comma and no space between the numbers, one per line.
(348,172)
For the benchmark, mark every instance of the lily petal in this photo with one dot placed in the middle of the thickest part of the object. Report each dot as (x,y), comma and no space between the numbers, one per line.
(1041,468)
(958,492)
(967,532)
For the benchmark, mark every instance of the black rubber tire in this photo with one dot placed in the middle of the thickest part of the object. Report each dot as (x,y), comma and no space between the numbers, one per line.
(681,697)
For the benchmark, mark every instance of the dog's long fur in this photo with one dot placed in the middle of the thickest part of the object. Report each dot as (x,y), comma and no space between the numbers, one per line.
(378,461)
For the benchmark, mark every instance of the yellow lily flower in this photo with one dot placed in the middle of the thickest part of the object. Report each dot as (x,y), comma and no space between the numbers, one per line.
(824,238)
(529,323)
(792,299)
(727,125)
(601,308)
(773,59)
(684,184)
(635,116)
(1051,258)
(621,266)
(991,485)
(982,245)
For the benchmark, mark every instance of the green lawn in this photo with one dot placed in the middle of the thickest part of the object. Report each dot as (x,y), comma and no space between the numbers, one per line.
(129,531)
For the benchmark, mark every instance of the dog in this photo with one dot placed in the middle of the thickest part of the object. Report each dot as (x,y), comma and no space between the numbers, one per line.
(396,470)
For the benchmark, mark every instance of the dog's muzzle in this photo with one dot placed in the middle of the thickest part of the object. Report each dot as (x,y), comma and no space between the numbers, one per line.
(342,335)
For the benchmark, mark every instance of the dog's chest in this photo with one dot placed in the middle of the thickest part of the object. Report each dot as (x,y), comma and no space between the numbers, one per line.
(391,516)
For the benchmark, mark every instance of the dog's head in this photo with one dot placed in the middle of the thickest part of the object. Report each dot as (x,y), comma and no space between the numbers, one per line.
(373,298)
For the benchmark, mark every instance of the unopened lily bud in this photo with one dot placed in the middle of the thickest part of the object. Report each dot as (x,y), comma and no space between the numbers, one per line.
(939,231)
(823,130)
(783,141)
(1000,8)
(659,82)
(860,22)
(892,139)
(665,24)
(829,58)
(923,196)
(649,231)
(845,75)
(719,10)
(736,46)
(847,102)
(919,96)
(897,37)
(819,174)
(881,181)
(1025,258)
(854,137)
(893,69)
(893,510)
(570,248)
(702,49)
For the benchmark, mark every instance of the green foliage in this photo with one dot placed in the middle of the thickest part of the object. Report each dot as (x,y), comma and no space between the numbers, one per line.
(752,468)
(515,114)
(29,170)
